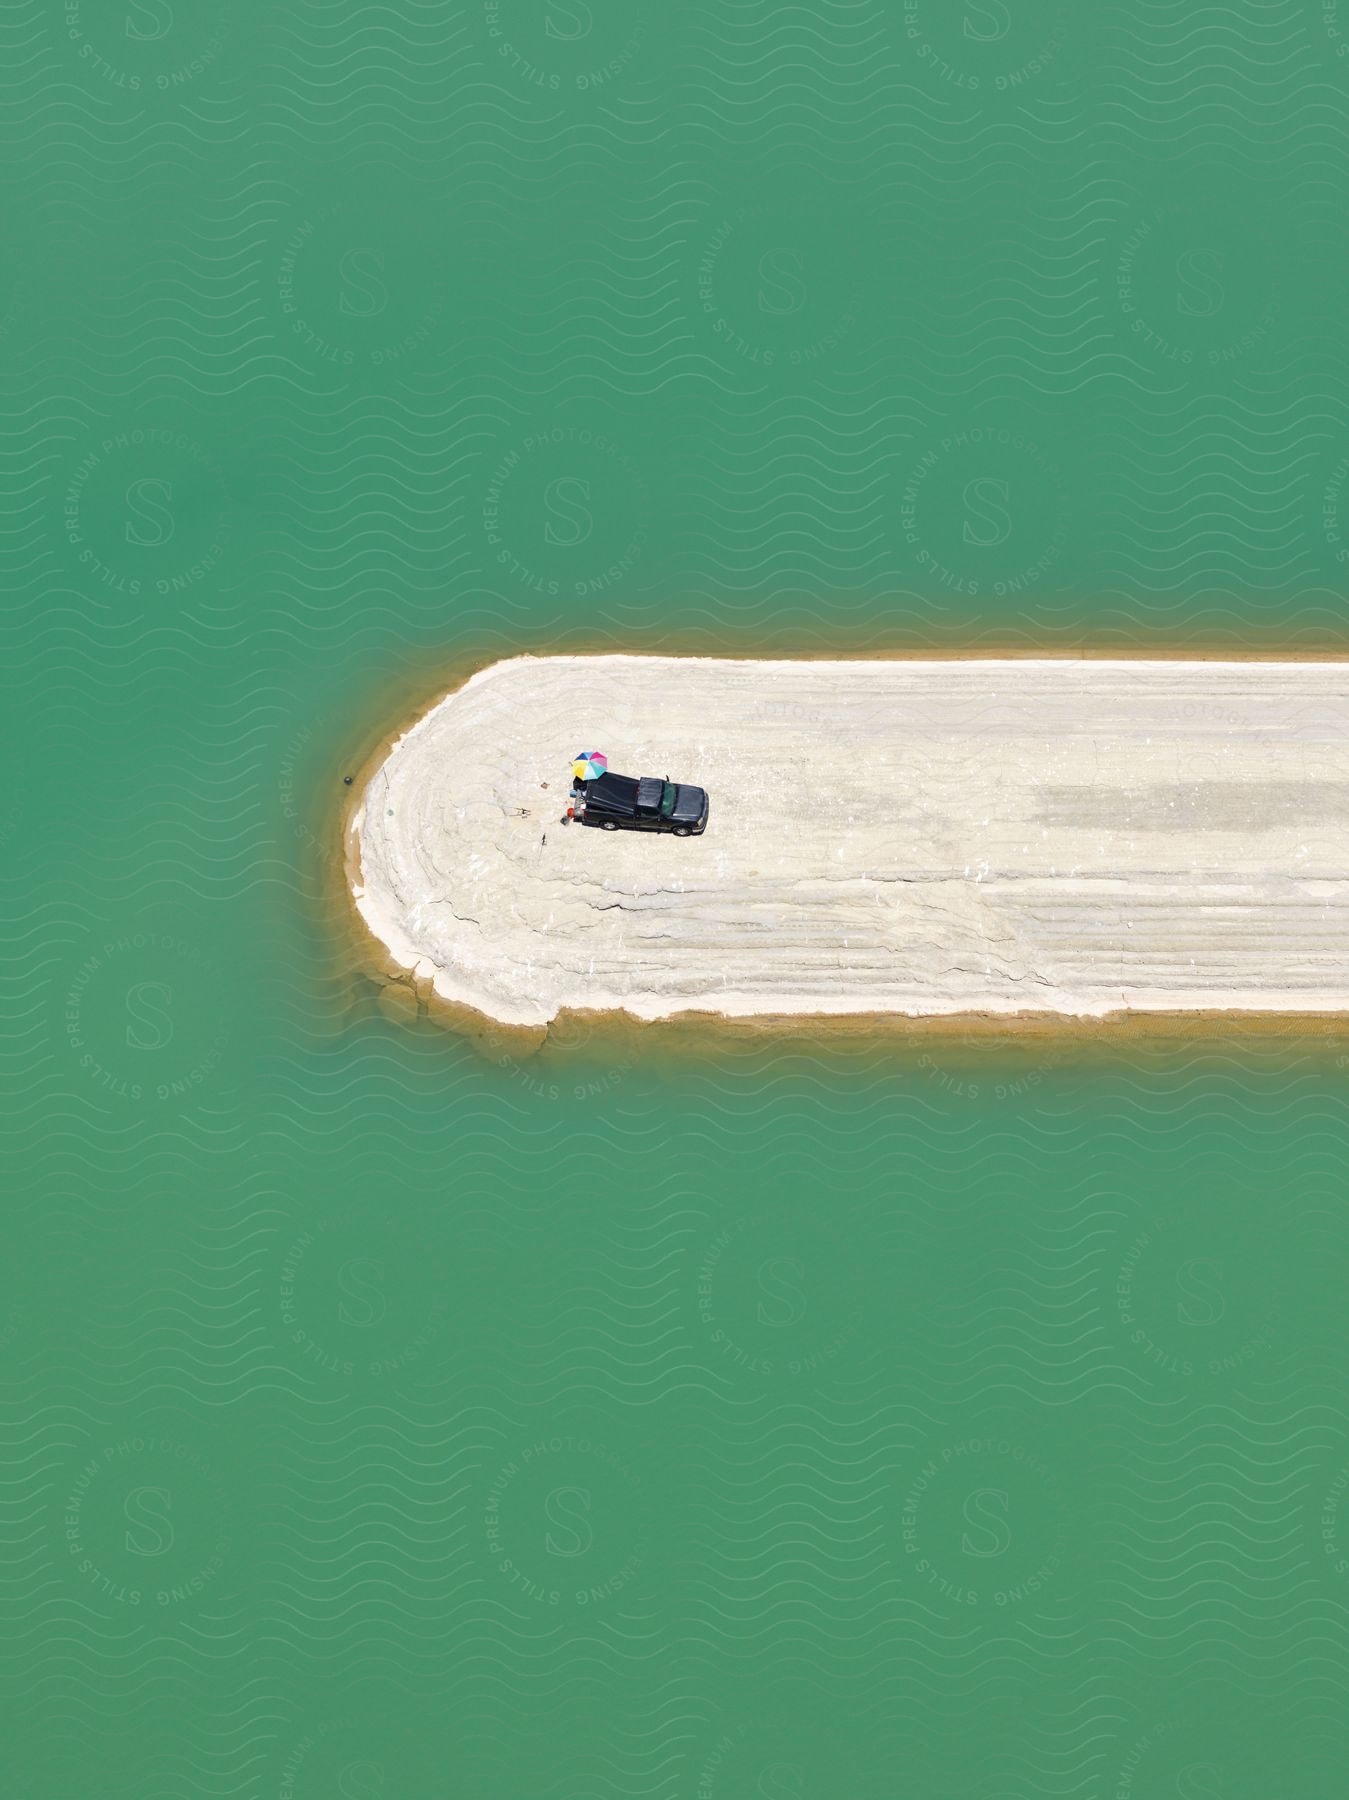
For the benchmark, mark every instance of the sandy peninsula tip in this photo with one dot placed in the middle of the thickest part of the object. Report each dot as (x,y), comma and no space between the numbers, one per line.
(912,838)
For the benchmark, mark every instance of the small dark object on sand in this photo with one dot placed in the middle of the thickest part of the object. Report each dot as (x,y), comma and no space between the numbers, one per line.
(346,781)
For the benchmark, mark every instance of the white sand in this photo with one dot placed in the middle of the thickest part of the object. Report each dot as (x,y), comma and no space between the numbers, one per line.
(885,837)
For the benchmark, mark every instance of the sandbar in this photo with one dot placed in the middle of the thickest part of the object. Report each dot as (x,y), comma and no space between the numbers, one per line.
(918,838)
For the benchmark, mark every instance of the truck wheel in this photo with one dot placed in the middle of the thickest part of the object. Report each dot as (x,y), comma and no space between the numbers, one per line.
(609,825)
(681,831)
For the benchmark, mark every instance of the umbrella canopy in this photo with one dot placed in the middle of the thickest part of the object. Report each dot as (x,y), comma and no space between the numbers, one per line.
(589,765)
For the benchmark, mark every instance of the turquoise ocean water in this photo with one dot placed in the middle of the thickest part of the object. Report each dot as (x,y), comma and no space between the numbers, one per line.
(392,1417)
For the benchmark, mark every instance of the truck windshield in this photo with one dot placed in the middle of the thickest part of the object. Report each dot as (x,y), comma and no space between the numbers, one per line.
(667,799)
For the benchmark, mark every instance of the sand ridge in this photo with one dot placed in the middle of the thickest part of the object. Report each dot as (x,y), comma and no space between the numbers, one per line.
(908,837)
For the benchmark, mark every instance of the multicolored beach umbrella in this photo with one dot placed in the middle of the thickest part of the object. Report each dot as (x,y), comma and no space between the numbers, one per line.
(589,765)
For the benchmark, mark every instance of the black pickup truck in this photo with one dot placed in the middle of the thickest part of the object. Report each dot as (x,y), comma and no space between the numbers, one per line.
(645,803)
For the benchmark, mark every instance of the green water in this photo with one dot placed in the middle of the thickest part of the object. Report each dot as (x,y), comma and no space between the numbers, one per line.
(387,1421)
